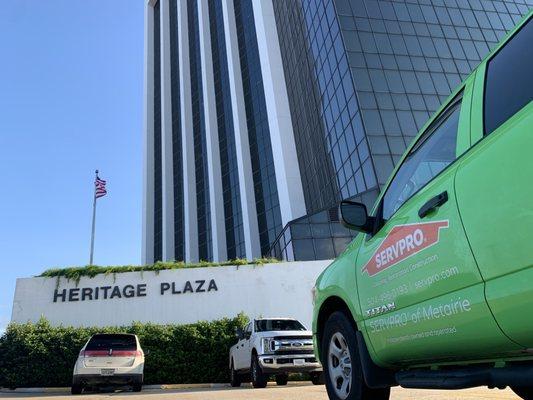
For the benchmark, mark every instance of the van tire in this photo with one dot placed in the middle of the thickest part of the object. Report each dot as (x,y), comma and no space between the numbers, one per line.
(76,389)
(348,382)
(235,379)
(259,379)
(525,392)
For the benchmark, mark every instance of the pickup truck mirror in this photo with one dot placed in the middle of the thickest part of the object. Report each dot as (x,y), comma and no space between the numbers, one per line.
(354,216)
(239,333)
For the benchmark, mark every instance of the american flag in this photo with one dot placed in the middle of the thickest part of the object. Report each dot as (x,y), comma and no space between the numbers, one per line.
(99,188)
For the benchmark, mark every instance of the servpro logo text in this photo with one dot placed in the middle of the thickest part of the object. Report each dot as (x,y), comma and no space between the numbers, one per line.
(402,242)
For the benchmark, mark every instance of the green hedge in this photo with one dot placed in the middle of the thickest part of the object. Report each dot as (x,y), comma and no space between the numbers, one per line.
(75,273)
(39,355)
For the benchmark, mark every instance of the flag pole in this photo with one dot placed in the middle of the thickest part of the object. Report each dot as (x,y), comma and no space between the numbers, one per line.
(94,222)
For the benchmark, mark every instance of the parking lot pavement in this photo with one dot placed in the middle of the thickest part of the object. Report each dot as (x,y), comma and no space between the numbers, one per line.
(290,392)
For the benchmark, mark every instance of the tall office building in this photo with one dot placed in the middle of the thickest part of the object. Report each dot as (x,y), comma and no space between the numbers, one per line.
(261,115)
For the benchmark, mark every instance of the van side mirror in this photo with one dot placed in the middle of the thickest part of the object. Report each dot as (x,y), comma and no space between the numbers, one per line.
(354,216)
(239,333)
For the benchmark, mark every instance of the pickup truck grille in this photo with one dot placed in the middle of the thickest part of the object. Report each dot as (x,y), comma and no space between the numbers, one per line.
(292,345)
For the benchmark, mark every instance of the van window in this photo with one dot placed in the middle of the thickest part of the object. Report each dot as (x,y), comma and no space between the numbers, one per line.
(509,79)
(112,341)
(434,151)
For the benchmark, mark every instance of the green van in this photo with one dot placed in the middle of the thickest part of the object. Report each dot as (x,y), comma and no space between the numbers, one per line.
(436,291)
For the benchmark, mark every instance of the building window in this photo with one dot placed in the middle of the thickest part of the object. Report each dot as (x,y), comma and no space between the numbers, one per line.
(265,187)
(226,136)
(177,160)
(199,135)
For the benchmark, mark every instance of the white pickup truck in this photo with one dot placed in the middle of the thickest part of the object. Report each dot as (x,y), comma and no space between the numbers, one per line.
(273,346)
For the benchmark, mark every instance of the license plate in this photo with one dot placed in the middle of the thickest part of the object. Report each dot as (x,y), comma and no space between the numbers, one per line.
(299,362)
(107,371)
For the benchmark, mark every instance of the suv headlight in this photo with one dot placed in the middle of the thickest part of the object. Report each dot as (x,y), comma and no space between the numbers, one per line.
(268,345)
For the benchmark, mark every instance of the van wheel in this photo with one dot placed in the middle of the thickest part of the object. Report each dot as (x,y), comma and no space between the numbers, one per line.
(259,379)
(235,379)
(525,392)
(317,378)
(281,380)
(342,364)
(76,389)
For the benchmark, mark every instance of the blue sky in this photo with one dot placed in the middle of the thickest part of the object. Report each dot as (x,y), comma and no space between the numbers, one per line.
(71,98)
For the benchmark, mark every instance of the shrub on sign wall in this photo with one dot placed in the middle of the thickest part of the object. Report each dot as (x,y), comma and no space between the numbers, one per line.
(39,355)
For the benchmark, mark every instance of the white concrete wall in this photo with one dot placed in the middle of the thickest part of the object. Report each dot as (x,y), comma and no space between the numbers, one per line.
(271,290)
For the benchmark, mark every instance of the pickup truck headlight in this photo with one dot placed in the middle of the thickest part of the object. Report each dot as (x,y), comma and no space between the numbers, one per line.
(268,345)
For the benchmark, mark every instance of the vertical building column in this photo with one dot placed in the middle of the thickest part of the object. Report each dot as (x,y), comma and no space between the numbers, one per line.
(216,203)
(147,250)
(288,178)
(242,144)
(166,136)
(189,172)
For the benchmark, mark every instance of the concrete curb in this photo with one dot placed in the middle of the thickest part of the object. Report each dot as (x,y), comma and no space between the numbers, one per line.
(145,387)
(181,386)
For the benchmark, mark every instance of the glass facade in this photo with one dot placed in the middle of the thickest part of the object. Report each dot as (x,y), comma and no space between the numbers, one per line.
(179,247)
(199,134)
(372,72)
(406,57)
(318,236)
(158,183)
(226,135)
(265,188)
(332,149)
(362,76)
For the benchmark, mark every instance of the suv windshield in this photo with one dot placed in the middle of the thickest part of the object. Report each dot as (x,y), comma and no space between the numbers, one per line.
(113,341)
(264,325)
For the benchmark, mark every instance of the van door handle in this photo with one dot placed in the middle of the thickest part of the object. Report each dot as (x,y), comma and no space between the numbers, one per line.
(433,204)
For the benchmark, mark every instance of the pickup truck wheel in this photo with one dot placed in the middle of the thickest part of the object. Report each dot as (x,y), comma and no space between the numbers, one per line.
(525,392)
(342,364)
(235,379)
(259,379)
(281,380)
(317,378)
(76,389)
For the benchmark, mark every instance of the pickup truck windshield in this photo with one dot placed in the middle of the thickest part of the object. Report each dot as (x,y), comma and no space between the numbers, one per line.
(265,325)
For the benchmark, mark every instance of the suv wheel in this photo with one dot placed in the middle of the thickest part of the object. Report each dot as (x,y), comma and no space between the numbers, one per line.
(235,379)
(259,379)
(281,380)
(525,392)
(76,389)
(342,365)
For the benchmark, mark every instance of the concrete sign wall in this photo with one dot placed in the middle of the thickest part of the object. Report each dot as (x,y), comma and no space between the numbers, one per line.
(173,296)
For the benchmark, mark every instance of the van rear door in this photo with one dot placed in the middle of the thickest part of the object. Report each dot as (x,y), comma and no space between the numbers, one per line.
(494,183)
(110,351)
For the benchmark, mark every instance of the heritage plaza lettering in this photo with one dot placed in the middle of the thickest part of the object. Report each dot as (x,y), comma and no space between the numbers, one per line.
(129,291)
